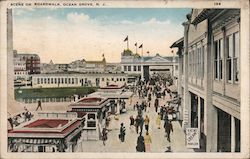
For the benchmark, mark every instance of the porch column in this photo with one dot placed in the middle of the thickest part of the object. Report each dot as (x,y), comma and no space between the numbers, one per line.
(186,95)
(232,134)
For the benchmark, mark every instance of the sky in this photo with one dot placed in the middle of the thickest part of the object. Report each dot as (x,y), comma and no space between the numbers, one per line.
(67,34)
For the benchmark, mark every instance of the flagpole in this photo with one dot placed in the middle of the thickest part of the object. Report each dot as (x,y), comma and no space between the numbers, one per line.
(136,48)
(142,51)
(127,45)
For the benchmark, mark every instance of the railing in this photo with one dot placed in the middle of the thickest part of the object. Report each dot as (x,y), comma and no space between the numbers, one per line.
(45,99)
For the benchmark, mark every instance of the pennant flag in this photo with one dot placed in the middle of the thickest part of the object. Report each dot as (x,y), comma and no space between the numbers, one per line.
(126,39)
(141,46)
(135,44)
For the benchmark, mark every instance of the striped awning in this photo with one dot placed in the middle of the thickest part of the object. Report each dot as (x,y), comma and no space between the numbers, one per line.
(36,141)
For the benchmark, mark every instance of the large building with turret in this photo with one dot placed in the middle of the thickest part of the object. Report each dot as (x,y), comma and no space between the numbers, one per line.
(146,66)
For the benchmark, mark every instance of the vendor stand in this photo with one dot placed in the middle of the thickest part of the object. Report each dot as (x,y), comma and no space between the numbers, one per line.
(46,134)
(114,93)
(95,110)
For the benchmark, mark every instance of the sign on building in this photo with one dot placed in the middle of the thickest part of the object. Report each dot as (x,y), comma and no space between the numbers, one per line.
(192,138)
(185,118)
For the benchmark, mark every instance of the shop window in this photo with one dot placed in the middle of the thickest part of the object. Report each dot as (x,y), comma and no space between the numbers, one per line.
(223,131)
(41,148)
(237,135)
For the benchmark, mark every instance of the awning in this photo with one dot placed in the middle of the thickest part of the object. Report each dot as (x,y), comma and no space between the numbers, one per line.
(173,88)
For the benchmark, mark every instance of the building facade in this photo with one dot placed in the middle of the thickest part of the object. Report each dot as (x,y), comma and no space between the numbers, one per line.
(77,80)
(144,67)
(32,61)
(209,83)
(20,71)
(81,66)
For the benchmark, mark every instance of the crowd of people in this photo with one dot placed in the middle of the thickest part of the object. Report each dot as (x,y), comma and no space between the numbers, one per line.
(22,117)
(156,88)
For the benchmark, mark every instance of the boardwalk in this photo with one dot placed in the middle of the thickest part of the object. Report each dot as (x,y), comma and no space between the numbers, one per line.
(113,144)
(159,141)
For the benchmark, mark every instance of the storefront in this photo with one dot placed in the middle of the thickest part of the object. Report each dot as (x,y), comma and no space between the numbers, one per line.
(197,119)
(114,93)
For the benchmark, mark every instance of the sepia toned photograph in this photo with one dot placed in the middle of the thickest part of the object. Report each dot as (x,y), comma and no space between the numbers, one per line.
(90,77)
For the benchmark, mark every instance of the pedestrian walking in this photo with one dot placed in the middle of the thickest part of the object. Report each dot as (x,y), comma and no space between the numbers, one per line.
(39,105)
(104,135)
(158,121)
(149,103)
(149,97)
(141,123)
(140,147)
(137,120)
(161,112)
(156,105)
(164,94)
(144,106)
(146,122)
(132,122)
(147,141)
(168,128)
(122,133)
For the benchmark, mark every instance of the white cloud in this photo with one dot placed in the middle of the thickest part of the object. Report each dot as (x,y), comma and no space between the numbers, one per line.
(127,22)
(77,18)
(48,17)
(89,39)
(155,21)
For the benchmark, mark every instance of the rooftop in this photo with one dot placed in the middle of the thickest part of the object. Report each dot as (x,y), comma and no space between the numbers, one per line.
(90,102)
(46,128)
(47,123)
